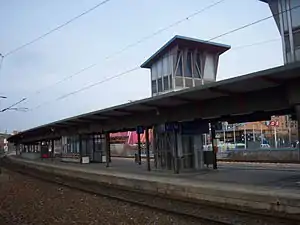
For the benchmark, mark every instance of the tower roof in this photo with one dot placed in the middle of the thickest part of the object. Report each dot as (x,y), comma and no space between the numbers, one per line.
(186,42)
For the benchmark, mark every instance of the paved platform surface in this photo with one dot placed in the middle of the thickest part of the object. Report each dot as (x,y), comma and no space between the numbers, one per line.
(275,176)
(256,186)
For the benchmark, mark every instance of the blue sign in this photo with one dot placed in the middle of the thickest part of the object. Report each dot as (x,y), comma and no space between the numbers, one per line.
(139,130)
(194,127)
(171,127)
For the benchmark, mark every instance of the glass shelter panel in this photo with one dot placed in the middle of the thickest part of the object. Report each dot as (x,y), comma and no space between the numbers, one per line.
(73,144)
(99,148)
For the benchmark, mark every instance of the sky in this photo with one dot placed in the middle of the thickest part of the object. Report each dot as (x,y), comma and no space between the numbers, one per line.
(96,38)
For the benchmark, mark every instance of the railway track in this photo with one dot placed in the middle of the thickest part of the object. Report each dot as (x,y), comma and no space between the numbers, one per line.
(204,213)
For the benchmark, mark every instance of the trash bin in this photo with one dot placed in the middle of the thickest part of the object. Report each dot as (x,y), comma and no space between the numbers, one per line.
(208,157)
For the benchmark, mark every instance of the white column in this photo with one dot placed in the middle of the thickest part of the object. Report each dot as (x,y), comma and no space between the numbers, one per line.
(297,109)
(290,131)
(234,139)
(245,136)
(275,136)
(261,134)
(205,140)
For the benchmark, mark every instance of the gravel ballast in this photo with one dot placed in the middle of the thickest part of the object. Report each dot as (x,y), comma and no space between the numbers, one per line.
(26,200)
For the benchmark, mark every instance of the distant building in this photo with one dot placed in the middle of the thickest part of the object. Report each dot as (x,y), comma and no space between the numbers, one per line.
(261,131)
(3,142)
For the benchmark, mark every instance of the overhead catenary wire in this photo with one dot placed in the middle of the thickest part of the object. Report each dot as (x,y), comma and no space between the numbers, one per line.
(186,18)
(134,69)
(56,28)
(13,105)
(216,37)
(256,44)
(89,86)
(134,44)
(3,56)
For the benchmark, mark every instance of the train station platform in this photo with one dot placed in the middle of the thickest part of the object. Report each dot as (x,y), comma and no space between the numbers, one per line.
(256,187)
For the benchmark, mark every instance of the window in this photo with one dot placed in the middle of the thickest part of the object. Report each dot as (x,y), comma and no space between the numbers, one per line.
(159,68)
(166,65)
(99,142)
(188,65)
(287,43)
(166,84)
(197,71)
(171,82)
(295,13)
(178,64)
(153,86)
(160,85)
(296,36)
(154,71)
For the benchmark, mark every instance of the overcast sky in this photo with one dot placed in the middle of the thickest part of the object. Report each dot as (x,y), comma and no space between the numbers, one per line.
(103,32)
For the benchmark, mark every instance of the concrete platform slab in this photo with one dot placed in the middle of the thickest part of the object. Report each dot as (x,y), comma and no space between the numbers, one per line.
(276,191)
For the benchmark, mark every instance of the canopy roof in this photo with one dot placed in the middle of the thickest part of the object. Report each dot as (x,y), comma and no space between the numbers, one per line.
(208,100)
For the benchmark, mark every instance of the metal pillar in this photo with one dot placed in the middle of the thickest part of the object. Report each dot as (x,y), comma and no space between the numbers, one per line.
(52,149)
(214,145)
(41,151)
(154,147)
(176,161)
(148,150)
(93,150)
(17,146)
(80,148)
(107,148)
(297,109)
(109,151)
(139,148)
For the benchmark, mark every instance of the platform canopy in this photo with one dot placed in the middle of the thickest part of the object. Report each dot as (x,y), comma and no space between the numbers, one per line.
(250,97)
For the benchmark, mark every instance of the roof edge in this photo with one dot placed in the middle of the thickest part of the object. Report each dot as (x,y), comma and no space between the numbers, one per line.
(161,49)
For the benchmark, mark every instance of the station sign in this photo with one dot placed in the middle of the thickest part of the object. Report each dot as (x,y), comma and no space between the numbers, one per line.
(274,123)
